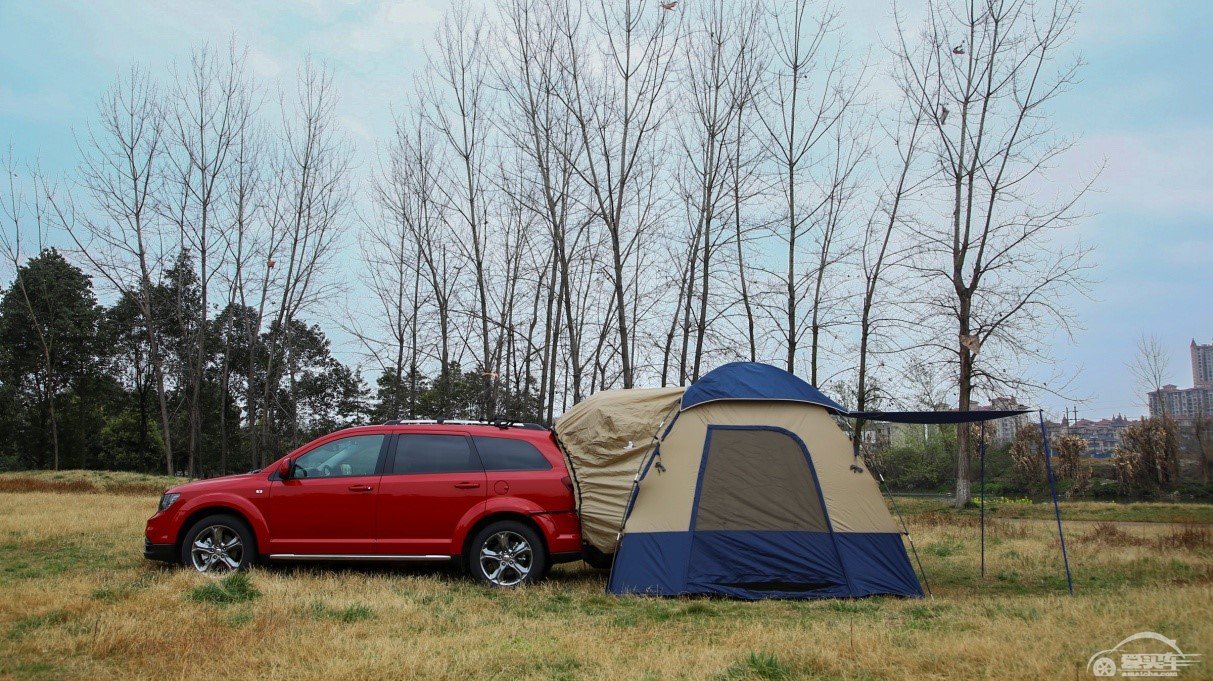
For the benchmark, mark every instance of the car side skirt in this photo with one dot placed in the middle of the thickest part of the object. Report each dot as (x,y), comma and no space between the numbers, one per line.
(361,557)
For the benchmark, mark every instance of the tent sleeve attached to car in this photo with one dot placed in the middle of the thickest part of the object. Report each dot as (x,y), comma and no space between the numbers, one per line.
(606,438)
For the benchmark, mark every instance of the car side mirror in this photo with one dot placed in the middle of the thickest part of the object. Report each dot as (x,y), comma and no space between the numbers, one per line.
(285,469)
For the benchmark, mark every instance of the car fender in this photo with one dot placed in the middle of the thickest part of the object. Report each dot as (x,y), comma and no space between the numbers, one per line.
(226,501)
(498,505)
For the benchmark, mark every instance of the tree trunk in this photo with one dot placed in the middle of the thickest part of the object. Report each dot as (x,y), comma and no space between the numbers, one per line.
(741,274)
(621,311)
(964,492)
(50,403)
(701,326)
(225,372)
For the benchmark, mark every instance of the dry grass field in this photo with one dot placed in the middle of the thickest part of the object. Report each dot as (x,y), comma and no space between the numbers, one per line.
(77,600)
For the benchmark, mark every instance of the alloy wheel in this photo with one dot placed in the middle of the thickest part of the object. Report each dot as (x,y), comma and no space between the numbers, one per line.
(217,549)
(506,558)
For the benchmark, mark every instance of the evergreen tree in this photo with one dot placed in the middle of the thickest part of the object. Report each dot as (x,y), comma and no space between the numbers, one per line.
(48,327)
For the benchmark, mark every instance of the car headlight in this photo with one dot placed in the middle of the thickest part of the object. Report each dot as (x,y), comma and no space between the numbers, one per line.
(168,498)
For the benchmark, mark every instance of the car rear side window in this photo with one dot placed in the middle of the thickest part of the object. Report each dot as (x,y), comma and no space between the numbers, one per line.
(505,454)
(418,453)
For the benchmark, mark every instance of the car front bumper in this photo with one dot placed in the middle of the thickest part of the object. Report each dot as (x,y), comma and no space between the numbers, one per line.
(166,553)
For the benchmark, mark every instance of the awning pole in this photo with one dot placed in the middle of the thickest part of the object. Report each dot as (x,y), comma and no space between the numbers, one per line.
(1044,438)
(982,491)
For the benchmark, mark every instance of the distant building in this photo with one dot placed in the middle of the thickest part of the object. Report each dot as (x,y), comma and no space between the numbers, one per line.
(1202,365)
(1102,436)
(1181,404)
(1184,404)
(1005,429)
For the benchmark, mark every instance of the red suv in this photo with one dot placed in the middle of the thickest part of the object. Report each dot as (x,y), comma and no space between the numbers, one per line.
(497,498)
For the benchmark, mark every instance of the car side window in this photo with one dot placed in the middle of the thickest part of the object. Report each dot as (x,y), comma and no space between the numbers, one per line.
(347,457)
(505,454)
(420,453)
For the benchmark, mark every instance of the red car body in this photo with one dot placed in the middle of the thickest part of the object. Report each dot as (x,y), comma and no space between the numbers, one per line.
(365,512)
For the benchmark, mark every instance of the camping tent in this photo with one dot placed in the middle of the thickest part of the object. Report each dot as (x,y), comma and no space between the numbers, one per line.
(745,486)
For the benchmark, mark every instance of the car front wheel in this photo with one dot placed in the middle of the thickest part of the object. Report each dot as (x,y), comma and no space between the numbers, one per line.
(218,544)
(507,554)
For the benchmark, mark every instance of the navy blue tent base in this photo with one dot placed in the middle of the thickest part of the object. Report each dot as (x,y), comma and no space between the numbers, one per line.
(754,565)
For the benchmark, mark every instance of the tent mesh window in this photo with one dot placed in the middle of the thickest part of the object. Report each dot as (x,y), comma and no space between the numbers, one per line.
(757,480)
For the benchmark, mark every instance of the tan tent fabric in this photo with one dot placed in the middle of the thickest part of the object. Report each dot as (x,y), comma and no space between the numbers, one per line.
(606,438)
(853,500)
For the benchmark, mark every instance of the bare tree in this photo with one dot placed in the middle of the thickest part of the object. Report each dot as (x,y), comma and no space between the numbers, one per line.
(616,84)
(410,193)
(985,72)
(210,110)
(1150,367)
(1202,433)
(718,80)
(540,127)
(810,92)
(307,207)
(684,253)
(389,247)
(245,253)
(121,237)
(16,208)
(876,258)
(745,181)
(833,239)
(459,107)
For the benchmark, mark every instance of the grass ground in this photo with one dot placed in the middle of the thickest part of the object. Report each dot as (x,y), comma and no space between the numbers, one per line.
(77,600)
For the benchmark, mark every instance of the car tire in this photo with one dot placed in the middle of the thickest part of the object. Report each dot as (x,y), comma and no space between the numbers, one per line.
(218,544)
(507,554)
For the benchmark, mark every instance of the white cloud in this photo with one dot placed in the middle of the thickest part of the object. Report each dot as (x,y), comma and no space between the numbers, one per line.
(263,65)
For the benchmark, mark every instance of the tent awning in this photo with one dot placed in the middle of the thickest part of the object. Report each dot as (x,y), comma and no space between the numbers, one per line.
(935,417)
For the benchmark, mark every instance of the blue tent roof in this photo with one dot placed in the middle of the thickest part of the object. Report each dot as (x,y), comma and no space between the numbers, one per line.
(754,381)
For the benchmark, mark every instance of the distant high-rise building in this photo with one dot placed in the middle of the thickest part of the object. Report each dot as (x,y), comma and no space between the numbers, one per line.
(1184,404)
(1202,365)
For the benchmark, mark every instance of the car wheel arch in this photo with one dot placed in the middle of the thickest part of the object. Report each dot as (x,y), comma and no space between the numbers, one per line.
(206,511)
(491,518)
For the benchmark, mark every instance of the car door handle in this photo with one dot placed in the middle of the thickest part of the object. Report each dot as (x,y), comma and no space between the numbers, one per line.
(360,488)
(467,485)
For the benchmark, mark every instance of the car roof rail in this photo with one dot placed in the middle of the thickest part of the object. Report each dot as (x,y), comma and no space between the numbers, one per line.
(466,422)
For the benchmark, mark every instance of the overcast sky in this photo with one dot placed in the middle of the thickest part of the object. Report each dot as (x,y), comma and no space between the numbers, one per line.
(1141,112)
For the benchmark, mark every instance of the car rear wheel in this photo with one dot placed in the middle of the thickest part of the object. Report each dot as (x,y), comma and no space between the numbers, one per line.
(218,544)
(507,554)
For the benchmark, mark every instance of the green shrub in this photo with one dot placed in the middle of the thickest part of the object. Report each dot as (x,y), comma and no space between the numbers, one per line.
(235,588)
(353,613)
(761,666)
(24,626)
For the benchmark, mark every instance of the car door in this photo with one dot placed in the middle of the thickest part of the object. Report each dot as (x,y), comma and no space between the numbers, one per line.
(328,506)
(430,482)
